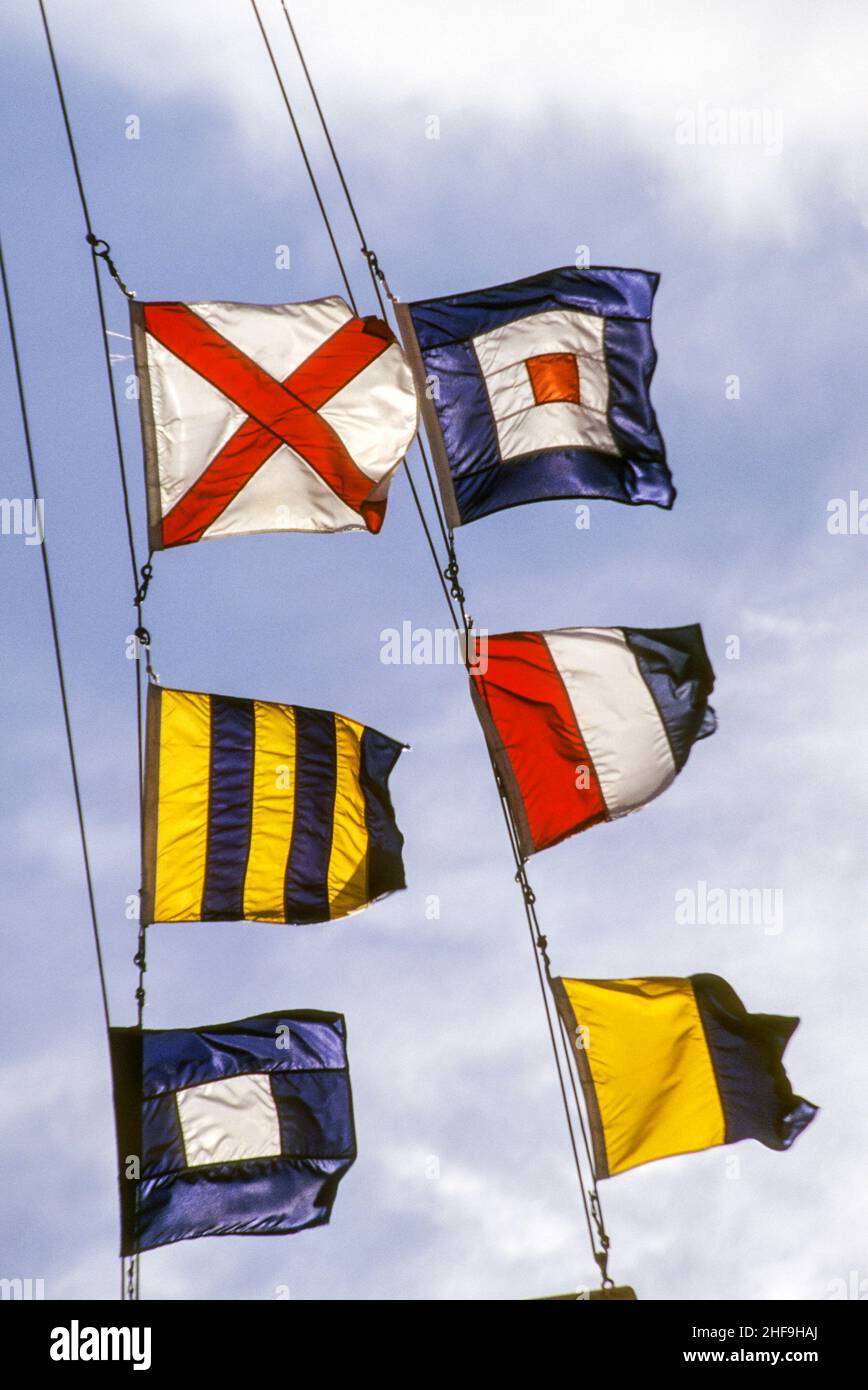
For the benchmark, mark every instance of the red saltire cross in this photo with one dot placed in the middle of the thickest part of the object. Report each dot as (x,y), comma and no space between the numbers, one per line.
(279,412)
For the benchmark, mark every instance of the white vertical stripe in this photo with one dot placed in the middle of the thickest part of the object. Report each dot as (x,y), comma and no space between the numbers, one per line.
(615,713)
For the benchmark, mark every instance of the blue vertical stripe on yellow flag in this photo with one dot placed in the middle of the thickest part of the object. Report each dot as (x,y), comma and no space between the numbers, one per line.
(264,812)
(671,1066)
(316,786)
(230,808)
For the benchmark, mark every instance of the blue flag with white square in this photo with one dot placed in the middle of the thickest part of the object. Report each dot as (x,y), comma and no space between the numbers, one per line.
(239,1128)
(539,390)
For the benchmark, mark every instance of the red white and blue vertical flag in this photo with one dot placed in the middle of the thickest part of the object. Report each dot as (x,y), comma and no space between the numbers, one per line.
(587,724)
(539,389)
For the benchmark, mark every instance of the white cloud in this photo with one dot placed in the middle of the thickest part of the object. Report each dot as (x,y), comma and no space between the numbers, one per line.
(622,76)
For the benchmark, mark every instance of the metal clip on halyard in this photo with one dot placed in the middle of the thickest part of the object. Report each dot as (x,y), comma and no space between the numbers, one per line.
(102,251)
(141,634)
(376,269)
(147,574)
(601,1255)
(452,576)
(141,964)
(143,638)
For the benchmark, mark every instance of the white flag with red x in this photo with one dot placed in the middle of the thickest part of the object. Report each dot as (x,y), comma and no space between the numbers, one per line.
(268,417)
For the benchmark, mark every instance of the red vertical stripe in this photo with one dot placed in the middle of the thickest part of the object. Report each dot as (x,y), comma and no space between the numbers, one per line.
(529,705)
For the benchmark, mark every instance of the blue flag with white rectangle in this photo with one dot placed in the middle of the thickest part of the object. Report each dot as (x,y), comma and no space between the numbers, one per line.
(239,1128)
(539,390)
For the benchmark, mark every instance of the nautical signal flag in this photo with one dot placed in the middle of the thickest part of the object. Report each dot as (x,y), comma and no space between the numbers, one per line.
(264,812)
(540,389)
(586,724)
(671,1066)
(235,1129)
(268,417)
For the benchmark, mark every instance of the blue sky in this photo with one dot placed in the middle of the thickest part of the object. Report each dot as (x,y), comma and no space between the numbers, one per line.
(557,129)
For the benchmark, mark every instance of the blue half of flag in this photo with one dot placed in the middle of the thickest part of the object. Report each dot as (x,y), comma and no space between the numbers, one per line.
(539,389)
(234,1129)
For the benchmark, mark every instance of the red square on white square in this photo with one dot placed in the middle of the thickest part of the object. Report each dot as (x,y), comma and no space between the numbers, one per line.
(526,424)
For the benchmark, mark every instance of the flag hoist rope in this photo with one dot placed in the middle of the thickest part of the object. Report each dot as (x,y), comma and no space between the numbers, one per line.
(372,264)
(454,594)
(58,661)
(55,637)
(101,252)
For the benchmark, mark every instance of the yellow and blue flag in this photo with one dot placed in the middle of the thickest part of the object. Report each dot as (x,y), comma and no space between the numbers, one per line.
(671,1066)
(264,812)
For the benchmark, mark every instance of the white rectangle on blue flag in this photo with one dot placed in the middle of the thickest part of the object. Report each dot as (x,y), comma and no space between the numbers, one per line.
(233,1129)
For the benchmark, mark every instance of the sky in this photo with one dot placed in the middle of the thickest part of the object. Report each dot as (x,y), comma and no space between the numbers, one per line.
(720,144)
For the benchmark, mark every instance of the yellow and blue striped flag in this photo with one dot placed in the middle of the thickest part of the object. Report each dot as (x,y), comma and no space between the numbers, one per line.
(264,812)
(670,1066)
